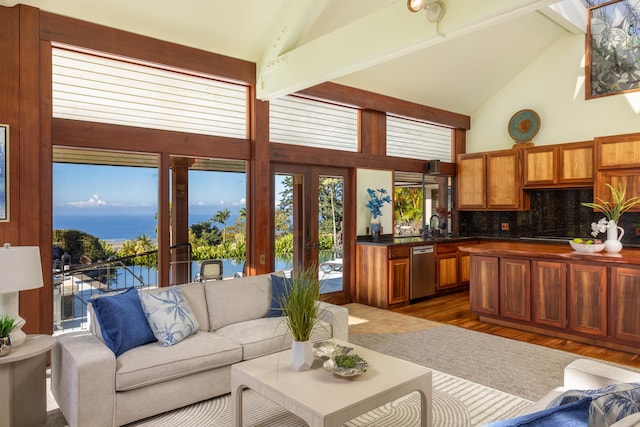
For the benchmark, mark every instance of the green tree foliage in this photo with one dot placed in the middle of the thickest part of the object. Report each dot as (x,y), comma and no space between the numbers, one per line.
(408,205)
(78,243)
(222,217)
(204,234)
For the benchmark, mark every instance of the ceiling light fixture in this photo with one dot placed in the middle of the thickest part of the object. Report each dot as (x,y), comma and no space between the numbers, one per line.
(434,8)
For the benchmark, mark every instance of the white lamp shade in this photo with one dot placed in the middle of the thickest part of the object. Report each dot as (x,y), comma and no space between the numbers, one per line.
(20,268)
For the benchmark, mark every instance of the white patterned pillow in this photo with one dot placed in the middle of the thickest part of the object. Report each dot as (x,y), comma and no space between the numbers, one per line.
(169,315)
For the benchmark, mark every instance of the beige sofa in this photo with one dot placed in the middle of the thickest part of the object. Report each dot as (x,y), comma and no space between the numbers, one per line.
(94,388)
(588,374)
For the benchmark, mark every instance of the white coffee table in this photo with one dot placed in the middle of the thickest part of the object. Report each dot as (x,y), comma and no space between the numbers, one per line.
(324,399)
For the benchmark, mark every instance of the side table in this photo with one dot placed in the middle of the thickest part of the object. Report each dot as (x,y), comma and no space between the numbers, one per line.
(23,383)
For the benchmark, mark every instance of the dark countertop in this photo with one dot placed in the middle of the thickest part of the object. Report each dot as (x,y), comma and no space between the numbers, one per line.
(388,240)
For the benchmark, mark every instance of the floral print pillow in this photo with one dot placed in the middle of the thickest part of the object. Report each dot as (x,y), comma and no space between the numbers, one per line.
(169,315)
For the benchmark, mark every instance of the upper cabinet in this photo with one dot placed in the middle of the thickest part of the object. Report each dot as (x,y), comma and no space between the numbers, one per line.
(490,181)
(617,162)
(556,166)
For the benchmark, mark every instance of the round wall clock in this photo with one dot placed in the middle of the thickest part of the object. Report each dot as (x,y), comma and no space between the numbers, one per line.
(524,125)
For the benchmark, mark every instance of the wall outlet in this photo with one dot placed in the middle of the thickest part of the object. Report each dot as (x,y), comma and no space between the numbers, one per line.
(505,226)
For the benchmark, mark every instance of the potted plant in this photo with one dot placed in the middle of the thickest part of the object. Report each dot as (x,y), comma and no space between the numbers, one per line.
(377,198)
(7,323)
(613,211)
(299,303)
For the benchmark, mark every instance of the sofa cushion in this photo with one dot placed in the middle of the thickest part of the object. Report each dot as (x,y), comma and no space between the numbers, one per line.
(169,315)
(123,325)
(152,363)
(280,286)
(267,335)
(237,300)
(608,405)
(569,415)
(196,298)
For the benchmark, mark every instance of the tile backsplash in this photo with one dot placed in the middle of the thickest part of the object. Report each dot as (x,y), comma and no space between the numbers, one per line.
(553,213)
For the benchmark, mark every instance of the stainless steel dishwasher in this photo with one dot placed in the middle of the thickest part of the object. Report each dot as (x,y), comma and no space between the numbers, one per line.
(422,276)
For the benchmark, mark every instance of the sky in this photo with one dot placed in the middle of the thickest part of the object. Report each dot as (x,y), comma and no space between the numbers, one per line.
(99,190)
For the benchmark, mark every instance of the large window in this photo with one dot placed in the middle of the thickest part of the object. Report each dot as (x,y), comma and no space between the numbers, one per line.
(300,121)
(105,90)
(418,140)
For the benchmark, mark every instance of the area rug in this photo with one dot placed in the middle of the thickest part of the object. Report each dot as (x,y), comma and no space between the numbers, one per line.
(456,403)
(514,367)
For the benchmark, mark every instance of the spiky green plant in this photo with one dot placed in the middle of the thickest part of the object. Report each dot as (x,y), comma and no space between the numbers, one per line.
(619,204)
(299,303)
(7,323)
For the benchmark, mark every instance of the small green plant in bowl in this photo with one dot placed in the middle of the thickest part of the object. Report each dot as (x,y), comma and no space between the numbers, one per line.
(7,323)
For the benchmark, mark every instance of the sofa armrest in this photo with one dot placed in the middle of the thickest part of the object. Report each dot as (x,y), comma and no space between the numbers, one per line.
(338,317)
(585,374)
(83,374)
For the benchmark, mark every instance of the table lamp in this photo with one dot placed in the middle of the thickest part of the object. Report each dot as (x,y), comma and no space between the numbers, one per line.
(20,269)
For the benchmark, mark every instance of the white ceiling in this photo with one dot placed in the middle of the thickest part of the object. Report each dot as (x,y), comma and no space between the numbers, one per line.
(376,45)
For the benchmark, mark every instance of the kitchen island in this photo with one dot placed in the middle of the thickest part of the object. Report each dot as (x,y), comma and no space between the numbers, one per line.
(551,289)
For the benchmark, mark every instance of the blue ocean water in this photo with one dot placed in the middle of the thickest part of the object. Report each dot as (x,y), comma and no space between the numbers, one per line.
(118,227)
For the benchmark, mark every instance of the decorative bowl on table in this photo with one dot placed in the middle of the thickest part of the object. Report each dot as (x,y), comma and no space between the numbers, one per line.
(346,365)
(329,349)
(586,245)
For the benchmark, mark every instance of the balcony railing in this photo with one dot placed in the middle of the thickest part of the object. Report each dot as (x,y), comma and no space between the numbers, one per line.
(74,285)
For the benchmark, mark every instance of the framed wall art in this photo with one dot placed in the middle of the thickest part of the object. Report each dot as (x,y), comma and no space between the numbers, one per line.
(4,173)
(613,48)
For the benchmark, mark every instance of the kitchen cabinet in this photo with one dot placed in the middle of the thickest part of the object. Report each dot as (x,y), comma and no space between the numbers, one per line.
(549,293)
(471,181)
(617,162)
(515,288)
(625,300)
(558,166)
(452,265)
(382,275)
(484,290)
(490,181)
(588,298)
(591,298)
(398,281)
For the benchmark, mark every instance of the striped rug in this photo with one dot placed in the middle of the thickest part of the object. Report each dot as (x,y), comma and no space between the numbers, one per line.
(456,403)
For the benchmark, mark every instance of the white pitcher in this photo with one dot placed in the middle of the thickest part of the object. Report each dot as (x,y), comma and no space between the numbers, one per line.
(613,244)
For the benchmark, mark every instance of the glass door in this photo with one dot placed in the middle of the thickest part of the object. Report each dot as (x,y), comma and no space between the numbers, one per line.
(309,224)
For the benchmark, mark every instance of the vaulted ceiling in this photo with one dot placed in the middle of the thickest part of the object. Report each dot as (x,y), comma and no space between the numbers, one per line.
(457,64)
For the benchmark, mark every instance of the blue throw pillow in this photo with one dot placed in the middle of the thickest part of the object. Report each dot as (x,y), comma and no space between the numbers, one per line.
(169,315)
(575,414)
(279,288)
(122,322)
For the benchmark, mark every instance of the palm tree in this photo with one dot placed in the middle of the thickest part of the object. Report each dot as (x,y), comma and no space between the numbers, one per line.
(222,217)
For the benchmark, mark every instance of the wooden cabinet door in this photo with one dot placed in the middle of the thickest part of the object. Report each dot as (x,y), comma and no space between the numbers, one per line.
(618,152)
(588,299)
(625,300)
(447,268)
(484,285)
(471,181)
(398,281)
(549,289)
(629,178)
(503,180)
(575,163)
(464,267)
(515,289)
(539,166)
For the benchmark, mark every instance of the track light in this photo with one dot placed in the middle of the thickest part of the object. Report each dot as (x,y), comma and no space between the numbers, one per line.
(434,8)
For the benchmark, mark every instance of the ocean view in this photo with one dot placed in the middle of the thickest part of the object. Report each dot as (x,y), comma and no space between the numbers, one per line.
(119,227)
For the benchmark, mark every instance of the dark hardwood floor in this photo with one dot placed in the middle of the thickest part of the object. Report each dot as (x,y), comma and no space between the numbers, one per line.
(454,310)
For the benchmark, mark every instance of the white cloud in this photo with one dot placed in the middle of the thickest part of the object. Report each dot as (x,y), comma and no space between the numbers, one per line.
(241,202)
(94,201)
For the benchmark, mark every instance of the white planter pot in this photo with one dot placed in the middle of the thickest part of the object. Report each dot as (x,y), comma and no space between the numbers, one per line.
(301,355)
(613,244)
